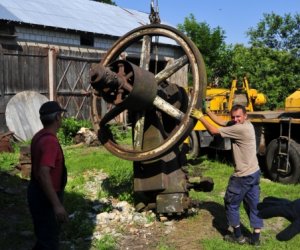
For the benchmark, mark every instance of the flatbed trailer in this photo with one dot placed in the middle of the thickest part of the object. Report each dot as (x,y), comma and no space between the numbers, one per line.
(278,139)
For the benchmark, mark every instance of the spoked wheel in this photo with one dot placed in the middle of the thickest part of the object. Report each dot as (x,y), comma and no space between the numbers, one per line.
(138,91)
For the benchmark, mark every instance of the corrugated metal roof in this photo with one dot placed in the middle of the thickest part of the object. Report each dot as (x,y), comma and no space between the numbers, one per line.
(80,15)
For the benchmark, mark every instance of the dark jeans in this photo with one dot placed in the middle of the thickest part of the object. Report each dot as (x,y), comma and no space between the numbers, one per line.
(46,227)
(278,207)
(243,189)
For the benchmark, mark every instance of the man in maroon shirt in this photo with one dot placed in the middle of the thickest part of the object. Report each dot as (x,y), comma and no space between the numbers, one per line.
(48,179)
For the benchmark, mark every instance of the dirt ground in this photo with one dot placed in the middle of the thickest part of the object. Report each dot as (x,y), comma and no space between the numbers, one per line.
(181,233)
(178,233)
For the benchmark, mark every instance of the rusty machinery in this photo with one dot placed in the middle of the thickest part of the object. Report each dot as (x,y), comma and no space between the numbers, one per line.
(158,112)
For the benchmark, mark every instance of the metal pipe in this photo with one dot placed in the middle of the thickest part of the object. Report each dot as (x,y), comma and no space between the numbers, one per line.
(168,108)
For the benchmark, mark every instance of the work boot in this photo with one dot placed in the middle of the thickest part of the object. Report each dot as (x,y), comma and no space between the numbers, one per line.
(254,242)
(239,240)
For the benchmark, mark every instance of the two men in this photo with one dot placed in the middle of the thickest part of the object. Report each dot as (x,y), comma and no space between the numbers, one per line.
(48,179)
(243,185)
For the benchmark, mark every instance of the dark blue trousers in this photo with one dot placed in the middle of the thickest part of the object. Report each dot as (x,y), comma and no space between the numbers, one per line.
(243,189)
(46,227)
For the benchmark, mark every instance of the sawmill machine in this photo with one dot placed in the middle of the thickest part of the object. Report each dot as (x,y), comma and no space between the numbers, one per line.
(150,91)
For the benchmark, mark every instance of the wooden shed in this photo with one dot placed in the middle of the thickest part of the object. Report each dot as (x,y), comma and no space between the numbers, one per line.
(48,47)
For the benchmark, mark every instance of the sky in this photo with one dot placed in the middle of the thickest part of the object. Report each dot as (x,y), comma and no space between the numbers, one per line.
(235,17)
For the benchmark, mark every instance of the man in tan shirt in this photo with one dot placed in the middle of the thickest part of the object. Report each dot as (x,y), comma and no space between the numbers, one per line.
(243,185)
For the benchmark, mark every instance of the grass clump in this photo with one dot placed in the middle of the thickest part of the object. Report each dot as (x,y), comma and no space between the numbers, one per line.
(107,242)
(8,160)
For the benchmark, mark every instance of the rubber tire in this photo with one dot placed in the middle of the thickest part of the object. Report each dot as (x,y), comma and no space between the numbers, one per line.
(294,161)
(194,147)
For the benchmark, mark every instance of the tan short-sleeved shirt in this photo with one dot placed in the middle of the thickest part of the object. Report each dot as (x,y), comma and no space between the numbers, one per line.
(243,146)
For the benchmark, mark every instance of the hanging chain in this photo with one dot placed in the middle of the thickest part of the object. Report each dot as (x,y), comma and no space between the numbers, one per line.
(154,13)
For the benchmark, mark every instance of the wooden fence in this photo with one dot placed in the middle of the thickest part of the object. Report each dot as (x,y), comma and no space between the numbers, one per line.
(59,74)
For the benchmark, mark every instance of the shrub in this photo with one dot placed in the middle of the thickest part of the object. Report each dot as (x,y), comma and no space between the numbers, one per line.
(69,129)
(119,132)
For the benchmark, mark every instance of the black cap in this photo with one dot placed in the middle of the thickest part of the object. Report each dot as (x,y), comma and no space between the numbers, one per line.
(50,107)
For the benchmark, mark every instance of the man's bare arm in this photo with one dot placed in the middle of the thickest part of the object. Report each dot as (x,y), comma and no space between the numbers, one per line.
(216,119)
(45,181)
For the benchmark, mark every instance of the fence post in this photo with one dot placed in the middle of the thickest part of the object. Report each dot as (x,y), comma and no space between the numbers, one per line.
(52,79)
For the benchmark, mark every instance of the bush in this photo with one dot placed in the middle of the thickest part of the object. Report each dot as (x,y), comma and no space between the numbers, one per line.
(8,160)
(69,129)
(120,133)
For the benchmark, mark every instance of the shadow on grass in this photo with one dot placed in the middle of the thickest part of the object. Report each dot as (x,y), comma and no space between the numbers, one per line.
(77,233)
(115,188)
(16,230)
(219,218)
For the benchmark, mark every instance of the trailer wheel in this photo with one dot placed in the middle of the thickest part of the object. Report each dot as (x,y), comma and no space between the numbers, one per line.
(194,148)
(292,175)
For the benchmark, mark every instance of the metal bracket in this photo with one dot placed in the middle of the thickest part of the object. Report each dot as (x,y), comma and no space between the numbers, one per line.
(154,13)
(283,155)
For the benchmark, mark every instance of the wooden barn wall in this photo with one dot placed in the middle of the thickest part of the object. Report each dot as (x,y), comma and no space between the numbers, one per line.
(21,68)
(27,68)
(72,87)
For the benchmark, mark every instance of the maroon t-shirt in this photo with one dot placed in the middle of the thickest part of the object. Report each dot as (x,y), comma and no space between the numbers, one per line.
(46,151)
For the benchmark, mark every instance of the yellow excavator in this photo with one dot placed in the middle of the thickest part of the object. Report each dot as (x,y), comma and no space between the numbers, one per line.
(221,100)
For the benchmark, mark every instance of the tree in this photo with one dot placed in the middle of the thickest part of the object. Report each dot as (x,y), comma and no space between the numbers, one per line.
(211,44)
(273,72)
(275,56)
(106,1)
(276,32)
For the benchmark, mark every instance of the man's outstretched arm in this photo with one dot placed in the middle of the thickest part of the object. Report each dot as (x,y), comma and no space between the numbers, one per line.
(196,113)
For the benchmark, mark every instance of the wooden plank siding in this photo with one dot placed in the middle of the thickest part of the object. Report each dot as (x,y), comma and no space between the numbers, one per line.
(26,68)
(21,68)
(72,82)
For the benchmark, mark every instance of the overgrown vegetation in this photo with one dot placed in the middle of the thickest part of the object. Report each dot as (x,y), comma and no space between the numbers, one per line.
(121,133)
(69,128)
(270,61)
(8,160)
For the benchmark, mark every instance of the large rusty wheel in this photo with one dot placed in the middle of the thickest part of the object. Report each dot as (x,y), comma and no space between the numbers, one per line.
(189,57)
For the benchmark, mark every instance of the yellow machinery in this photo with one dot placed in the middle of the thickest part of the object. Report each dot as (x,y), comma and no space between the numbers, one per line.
(242,94)
(292,102)
(221,100)
(278,140)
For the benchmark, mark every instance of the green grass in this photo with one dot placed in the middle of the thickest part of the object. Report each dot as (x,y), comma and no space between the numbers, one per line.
(120,172)
(83,158)
(107,242)
(85,164)
(8,161)
(220,174)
